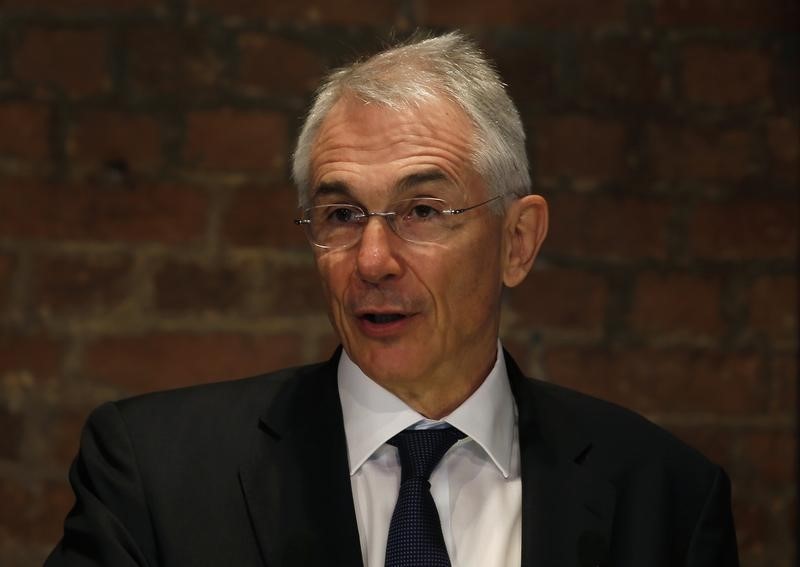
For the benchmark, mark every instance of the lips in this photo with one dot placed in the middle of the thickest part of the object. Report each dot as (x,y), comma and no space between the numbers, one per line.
(383,318)
(385,325)
(384,313)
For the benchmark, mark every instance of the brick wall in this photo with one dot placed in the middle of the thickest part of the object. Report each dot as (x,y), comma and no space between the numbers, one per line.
(145,239)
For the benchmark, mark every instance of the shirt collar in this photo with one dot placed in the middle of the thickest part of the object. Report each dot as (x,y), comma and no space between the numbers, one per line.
(373,415)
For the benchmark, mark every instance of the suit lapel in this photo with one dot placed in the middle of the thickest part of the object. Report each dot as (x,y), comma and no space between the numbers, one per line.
(296,483)
(567,509)
(298,492)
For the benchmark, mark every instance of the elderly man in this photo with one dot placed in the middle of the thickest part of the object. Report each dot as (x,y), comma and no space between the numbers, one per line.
(419,443)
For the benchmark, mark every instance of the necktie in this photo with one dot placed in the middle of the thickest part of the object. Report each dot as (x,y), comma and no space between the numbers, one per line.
(415,533)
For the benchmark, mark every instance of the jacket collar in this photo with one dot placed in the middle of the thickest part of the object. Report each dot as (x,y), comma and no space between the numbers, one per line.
(567,508)
(296,482)
(299,497)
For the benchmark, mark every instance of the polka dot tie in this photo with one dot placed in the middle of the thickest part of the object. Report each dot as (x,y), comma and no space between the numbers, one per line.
(415,532)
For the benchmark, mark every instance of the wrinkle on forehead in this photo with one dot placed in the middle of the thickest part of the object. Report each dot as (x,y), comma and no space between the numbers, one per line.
(356,133)
(378,128)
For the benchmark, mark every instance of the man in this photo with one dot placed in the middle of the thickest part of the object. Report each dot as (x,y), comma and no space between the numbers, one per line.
(416,199)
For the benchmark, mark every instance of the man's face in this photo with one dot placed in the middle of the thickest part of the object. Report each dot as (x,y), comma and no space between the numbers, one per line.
(438,302)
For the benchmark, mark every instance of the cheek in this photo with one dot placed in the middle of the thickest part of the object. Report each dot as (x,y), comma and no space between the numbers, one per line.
(476,281)
(333,276)
(462,288)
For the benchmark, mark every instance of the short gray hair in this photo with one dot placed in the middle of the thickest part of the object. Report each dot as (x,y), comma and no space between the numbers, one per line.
(450,66)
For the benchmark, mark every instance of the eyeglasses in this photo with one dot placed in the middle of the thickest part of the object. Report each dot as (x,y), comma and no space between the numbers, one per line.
(420,220)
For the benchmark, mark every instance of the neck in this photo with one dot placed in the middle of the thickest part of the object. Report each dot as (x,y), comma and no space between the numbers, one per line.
(436,399)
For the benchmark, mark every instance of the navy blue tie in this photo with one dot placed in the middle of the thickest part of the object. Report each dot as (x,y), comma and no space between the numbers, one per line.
(415,533)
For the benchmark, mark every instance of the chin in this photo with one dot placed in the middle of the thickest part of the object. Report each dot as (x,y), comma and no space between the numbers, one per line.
(387,364)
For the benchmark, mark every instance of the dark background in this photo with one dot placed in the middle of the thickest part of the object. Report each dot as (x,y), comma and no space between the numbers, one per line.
(146,238)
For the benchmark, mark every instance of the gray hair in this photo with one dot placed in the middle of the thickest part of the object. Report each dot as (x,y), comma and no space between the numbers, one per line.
(407,75)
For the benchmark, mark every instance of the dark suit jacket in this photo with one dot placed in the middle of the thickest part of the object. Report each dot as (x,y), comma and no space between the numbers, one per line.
(254,472)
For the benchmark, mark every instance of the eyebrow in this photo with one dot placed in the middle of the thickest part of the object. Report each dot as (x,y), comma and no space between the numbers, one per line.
(405,185)
(415,179)
(332,188)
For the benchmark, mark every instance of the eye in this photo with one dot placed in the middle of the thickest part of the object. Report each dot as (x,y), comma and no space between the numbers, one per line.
(343,215)
(423,210)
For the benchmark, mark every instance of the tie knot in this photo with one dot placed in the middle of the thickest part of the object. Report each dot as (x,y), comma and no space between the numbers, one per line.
(421,449)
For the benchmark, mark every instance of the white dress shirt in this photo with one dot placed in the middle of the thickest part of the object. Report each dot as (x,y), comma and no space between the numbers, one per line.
(476,486)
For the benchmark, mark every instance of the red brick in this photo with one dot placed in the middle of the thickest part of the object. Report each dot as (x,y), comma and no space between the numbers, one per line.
(693,153)
(181,286)
(261,216)
(724,76)
(19,554)
(618,70)
(37,356)
(785,75)
(154,362)
(155,213)
(7,265)
(586,149)
(544,13)
(752,530)
(295,290)
(664,381)
(773,307)
(73,60)
(765,532)
(765,527)
(326,345)
(273,65)
(728,14)
(24,131)
(744,229)
(172,61)
(715,443)
(783,140)
(64,426)
(784,377)
(676,306)
(562,300)
(104,136)
(34,510)
(607,227)
(76,283)
(529,71)
(60,7)
(232,139)
(342,12)
(770,456)
(11,425)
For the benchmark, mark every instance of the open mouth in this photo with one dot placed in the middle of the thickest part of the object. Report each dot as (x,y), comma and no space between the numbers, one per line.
(383,318)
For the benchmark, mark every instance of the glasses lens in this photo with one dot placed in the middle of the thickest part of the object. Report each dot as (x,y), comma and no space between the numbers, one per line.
(339,225)
(422,219)
(333,226)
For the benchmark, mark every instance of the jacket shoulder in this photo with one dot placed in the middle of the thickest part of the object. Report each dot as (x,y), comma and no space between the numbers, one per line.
(210,415)
(620,438)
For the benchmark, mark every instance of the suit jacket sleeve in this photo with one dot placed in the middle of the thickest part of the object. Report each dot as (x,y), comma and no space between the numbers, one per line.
(713,543)
(109,523)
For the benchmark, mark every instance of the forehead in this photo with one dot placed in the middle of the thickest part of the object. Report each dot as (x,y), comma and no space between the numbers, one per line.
(369,145)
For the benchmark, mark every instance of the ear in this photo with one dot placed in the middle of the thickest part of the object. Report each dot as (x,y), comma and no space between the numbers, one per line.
(523,233)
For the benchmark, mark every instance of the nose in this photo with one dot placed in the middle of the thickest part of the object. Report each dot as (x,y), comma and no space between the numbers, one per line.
(377,258)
